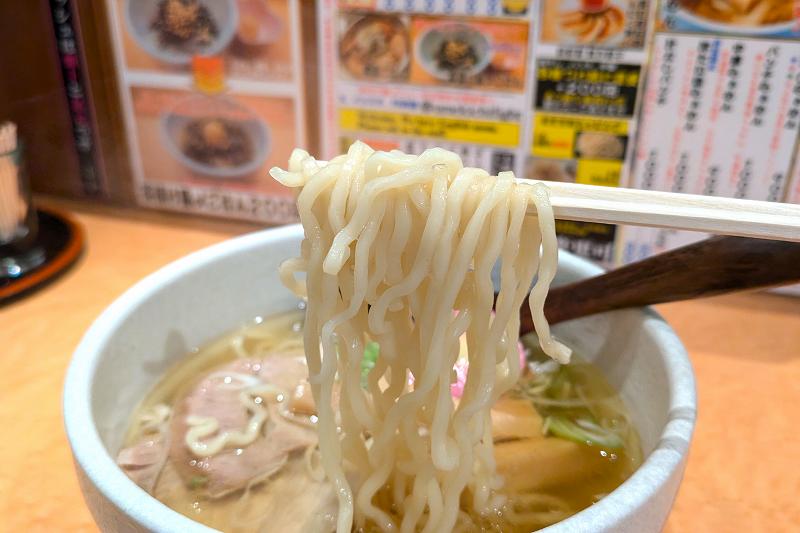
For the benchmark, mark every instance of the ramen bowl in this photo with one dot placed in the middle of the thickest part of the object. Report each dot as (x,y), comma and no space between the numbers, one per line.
(430,43)
(360,61)
(206,294)
(139,15)
(175,121)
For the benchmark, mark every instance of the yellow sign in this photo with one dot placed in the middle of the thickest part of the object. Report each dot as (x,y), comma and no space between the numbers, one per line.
(556,142)
(598,172)
(515,6)
(448,129)
(574,228)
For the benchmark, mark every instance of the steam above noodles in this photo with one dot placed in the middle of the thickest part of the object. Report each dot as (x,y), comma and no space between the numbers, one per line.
(399,251)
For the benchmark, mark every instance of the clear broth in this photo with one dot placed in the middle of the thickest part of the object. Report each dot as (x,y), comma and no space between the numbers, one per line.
(576,392)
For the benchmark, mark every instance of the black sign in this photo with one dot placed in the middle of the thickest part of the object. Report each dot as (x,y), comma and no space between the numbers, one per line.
(586,87)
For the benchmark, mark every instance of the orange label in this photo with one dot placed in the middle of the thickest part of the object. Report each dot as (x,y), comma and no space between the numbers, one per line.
(209,74)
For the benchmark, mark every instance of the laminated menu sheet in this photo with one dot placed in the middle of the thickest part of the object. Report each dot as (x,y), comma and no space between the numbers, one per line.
(545,89)
(587,83)
(213,96)
(410,75)
(720,116)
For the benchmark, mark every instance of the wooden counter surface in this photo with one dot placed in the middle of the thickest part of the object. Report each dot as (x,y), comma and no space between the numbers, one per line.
(744,465)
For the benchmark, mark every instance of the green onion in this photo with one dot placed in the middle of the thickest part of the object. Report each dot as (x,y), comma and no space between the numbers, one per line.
(371,353)
(582,431)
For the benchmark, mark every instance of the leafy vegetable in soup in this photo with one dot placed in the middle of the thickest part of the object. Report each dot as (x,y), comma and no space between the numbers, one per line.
(227,438)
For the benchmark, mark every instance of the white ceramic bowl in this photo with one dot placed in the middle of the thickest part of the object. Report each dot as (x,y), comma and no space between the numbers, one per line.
(139,16)
(210,292)
(430,42)
(173,121)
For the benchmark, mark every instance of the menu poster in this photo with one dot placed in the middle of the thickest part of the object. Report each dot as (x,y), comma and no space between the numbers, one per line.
(747,18)
(588,79)
(411,75)
(720,117)
(213,96)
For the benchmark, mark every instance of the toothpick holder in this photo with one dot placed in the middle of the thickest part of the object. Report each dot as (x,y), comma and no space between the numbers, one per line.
(19,252)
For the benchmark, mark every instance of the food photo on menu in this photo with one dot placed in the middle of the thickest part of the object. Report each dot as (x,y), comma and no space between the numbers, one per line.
(400,266)
(374,47)
(756,18)
(214,96)
(252,35)
(433,50)
(610,23)
(486,54)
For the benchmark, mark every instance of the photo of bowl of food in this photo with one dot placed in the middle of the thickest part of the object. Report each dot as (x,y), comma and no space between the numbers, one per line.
(216,137)
(599,145)
(561,170)
(600,22)
(750,17)
(453,51)
(375,47)
(173,31)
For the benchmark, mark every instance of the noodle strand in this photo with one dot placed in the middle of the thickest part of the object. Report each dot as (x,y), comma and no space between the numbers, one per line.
(400,250)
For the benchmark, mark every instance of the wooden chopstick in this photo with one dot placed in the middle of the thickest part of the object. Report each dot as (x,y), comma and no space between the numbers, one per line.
(711,214)
(693,212)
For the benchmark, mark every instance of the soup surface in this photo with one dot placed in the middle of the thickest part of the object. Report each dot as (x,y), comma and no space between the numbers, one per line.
(227,437)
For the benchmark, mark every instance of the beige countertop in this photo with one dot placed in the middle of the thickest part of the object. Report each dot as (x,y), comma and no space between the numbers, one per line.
(744,465)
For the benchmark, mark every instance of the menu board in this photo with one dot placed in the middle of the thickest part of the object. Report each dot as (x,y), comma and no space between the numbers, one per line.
(588,77)
(694,96)
(545,89)
(213,96)
(410,75)
(721,110)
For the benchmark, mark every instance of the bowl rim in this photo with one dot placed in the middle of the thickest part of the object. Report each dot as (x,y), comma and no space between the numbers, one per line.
(92,458)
